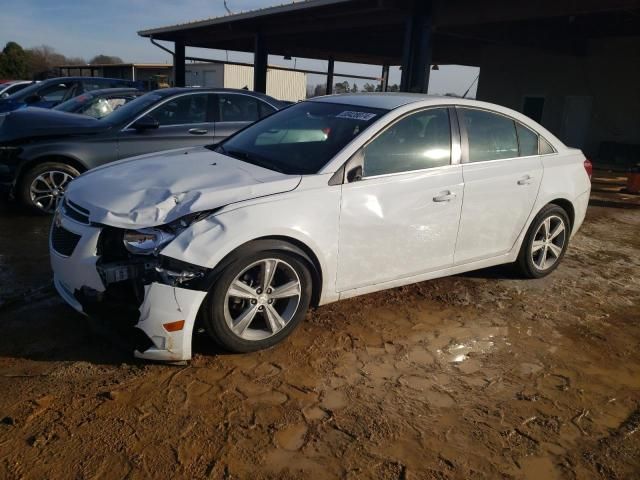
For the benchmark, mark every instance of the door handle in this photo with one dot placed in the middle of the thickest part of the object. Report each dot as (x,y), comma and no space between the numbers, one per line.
(445,196)
(198,131)
(526,180)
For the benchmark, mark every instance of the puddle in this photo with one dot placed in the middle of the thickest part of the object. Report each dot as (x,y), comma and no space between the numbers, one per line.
(459,352)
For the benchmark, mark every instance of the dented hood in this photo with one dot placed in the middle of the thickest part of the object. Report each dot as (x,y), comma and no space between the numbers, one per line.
(159,188)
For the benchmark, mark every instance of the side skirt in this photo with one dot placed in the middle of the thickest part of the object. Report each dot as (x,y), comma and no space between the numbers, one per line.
(467,267)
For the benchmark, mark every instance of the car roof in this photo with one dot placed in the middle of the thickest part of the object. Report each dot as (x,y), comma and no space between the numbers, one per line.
(165,92)
(66,79)
(386,100)
(13,82)
(110,91)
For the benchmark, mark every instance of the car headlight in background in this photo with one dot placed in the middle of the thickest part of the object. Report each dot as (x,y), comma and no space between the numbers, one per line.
(146,241)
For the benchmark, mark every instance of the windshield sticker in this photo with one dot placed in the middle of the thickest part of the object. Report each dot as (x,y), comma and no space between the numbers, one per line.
(364,116)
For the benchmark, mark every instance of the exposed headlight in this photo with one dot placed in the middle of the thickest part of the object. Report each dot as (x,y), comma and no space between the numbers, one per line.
(146,241)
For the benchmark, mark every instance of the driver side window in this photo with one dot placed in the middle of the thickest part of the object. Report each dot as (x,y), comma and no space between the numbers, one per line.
(416,142)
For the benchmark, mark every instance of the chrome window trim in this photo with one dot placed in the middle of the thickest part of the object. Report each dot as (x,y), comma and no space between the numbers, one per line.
(407,172)
(247,95)
(454,140)
(465,137)
(195,92)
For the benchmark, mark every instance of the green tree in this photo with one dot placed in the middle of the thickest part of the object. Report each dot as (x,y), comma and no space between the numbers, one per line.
(368,87)
(14,62)
(342,87)
(105,60)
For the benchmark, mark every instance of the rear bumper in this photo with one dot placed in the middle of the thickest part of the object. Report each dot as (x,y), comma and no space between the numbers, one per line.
(580,210)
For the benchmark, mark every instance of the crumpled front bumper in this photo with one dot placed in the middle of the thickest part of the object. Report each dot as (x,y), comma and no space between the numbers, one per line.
(167,313)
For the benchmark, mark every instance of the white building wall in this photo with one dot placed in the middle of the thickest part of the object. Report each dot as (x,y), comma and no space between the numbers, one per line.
(281,84)
(204,75)
(284,85)
(238,76)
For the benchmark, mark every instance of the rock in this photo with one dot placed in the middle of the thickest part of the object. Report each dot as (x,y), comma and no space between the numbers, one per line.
(8,421)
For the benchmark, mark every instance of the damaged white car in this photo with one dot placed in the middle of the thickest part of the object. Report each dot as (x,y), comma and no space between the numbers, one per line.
(327,199)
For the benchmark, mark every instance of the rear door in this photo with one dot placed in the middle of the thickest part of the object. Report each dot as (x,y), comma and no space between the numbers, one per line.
(185,121)
(502,174)
(235,111)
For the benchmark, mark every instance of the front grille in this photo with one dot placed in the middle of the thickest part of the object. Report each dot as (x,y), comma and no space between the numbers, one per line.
(76,212)
(63,241)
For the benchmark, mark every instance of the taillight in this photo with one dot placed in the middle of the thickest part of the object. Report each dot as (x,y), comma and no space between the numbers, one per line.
(588,166)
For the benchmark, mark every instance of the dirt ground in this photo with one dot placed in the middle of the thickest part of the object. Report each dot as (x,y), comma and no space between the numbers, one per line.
(482,375)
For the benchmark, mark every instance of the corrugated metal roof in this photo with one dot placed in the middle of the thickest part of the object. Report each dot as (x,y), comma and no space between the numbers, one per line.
(251,14)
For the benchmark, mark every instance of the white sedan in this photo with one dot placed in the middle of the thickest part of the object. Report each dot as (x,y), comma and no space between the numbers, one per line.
(328,199)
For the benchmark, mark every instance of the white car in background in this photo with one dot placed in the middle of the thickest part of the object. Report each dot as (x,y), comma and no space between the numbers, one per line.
(12,86)
(325,200)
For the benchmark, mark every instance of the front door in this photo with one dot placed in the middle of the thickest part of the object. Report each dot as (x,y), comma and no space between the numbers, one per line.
(501,181)
(185,121)
(399,214)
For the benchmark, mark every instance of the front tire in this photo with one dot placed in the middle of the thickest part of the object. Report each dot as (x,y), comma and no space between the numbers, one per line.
(42,187)
(258,300)
(545,243)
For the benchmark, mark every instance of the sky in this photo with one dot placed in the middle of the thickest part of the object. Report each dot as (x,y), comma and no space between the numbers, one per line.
(85,28)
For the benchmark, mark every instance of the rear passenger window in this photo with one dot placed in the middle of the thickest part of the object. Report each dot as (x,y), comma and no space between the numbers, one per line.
(545,147)
(528,141)
(418,141)
(491,136)
(265,109)
(238,108)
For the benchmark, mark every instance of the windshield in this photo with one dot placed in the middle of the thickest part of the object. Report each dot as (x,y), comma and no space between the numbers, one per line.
(75,103)
(135,107)
(300,139)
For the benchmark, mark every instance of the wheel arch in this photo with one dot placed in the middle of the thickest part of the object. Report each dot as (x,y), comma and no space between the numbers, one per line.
(275,242)
(567,206)
(53,157)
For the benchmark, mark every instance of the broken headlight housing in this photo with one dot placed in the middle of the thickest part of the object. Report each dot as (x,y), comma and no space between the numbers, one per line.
(149,241)
(146,241)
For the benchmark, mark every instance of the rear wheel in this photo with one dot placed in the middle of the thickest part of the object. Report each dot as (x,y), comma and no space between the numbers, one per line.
(545,243)
(42,187)
(258,301)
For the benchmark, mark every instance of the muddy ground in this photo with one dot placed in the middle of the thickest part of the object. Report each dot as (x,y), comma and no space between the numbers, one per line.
(477,376)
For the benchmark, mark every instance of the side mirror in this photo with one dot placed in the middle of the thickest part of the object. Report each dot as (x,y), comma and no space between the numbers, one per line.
(355,167)
(35,98)
(4,95)
(355,174)
(146,123)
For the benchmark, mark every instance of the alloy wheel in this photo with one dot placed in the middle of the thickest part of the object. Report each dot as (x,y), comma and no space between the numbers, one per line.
(47,189)
(548,242)
(262,299)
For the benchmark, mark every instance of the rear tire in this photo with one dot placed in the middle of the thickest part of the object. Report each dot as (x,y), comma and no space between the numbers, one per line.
(248,309)
(545,243)
(42,187)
